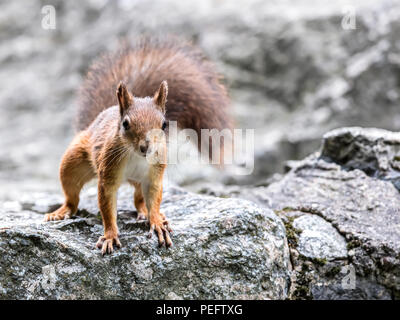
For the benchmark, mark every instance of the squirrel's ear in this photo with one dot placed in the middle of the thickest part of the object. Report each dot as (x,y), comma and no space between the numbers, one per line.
(125,99)
(160,97)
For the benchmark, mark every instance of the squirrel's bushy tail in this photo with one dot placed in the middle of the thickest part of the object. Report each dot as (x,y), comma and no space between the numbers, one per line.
(196,97)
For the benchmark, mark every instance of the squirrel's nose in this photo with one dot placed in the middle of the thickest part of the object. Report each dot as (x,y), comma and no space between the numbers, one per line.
(143,148)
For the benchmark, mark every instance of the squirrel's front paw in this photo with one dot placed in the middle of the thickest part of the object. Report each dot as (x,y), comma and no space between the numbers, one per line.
(141,216)
(60,214)
(106,242)
(160,226)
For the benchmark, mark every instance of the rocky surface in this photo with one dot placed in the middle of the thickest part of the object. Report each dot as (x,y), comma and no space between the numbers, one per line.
(223,249)
(374,151)
(318,239)
(341,210)
(328,229)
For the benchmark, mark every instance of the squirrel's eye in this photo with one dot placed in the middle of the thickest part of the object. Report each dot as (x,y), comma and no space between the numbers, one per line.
(125,124)
(164,125)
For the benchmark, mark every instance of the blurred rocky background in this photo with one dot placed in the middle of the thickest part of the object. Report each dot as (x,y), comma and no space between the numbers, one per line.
(294,72)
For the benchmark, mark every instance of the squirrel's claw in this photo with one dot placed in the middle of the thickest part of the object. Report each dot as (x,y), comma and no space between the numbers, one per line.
(162,231)
(99,243)
(60,214)
(166,224)
(106,245)
(141,216)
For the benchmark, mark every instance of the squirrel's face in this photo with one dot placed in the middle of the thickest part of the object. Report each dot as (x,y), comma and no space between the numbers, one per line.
(143,119)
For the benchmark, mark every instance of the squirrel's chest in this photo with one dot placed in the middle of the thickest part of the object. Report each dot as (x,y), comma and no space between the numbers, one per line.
(137,168)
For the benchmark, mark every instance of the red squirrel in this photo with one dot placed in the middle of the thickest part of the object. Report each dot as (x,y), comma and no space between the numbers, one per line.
(126,94)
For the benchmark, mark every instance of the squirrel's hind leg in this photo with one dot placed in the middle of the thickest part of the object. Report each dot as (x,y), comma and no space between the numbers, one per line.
(75,171)
(138,200)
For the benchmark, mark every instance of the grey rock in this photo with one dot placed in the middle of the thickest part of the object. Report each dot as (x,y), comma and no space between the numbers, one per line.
(223,249)
(363,290)
(318,239)
(348,185)
(374,151)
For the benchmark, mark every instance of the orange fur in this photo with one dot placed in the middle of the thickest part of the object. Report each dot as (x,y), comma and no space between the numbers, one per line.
(138,199)
(103,150)
(114,140)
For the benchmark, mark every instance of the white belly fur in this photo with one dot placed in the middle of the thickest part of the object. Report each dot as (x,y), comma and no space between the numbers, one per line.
(137,168)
